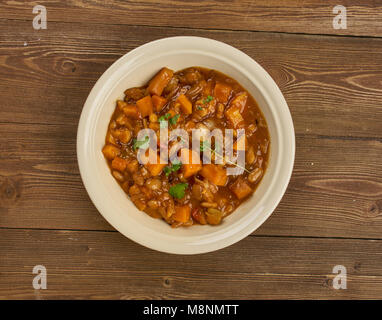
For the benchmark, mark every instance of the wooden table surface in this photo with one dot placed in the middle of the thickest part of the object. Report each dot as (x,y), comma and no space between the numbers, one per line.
(330,215)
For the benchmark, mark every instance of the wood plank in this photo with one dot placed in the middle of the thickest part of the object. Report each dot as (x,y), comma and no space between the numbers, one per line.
(99,265)
(307,16)
(324,79)
(331,193)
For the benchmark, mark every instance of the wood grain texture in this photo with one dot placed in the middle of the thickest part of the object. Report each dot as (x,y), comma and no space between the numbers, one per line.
(331,213)
(323,79)
(99,265)
(364,18)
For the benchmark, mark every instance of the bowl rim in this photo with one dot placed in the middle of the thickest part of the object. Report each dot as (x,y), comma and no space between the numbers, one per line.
(268,88)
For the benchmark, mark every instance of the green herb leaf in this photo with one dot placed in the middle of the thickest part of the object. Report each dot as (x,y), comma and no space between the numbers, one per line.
(209,99)
(163,120)
(177,191)
(165,117)
(169,169)
(174,119)
(141,144)
(199,108)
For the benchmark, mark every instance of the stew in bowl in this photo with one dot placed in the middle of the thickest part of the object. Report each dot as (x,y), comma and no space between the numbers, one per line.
(188,147)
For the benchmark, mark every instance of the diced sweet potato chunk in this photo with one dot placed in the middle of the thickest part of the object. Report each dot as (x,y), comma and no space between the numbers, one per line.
(145,106)
(160,81)
(132,166)
(185,104)
(131,111)
(110,151)
(121,104)
(189,169)
(240,188)
(182,213)
(214,174)
(158,102)
(222,92)
(155,168)
(119,164)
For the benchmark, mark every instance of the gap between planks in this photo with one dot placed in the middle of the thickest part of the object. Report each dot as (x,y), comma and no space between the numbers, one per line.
(202,29)
(250,235)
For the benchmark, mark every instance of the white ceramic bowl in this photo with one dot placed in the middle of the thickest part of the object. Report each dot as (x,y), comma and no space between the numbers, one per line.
(135,69)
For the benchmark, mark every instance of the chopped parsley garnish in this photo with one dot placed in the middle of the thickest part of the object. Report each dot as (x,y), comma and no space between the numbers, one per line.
(169,169)
(141,144)
(174,119)
(177,191)
(164,117)
(199,108)
(208,99)
(163,120)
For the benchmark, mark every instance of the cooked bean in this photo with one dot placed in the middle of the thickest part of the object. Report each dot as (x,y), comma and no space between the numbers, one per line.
(119,176)
(250,155)
(209,204)
(197,192)
(165,185)
(228,209)
(110,139)
(147,192)
(153,204)
(164,197)
(134,189)
(141,205)
(260,161)
(162,212)
(153,117)
(181,177)
(138,179)
(154,184)
(252,128)
(124,136)
(170,208)
(255,175)
(144,172)
(132,166)
(110,151)
(264,146)
(121,120)
(112,125)
(262,123)
(214,216)
(220,111)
